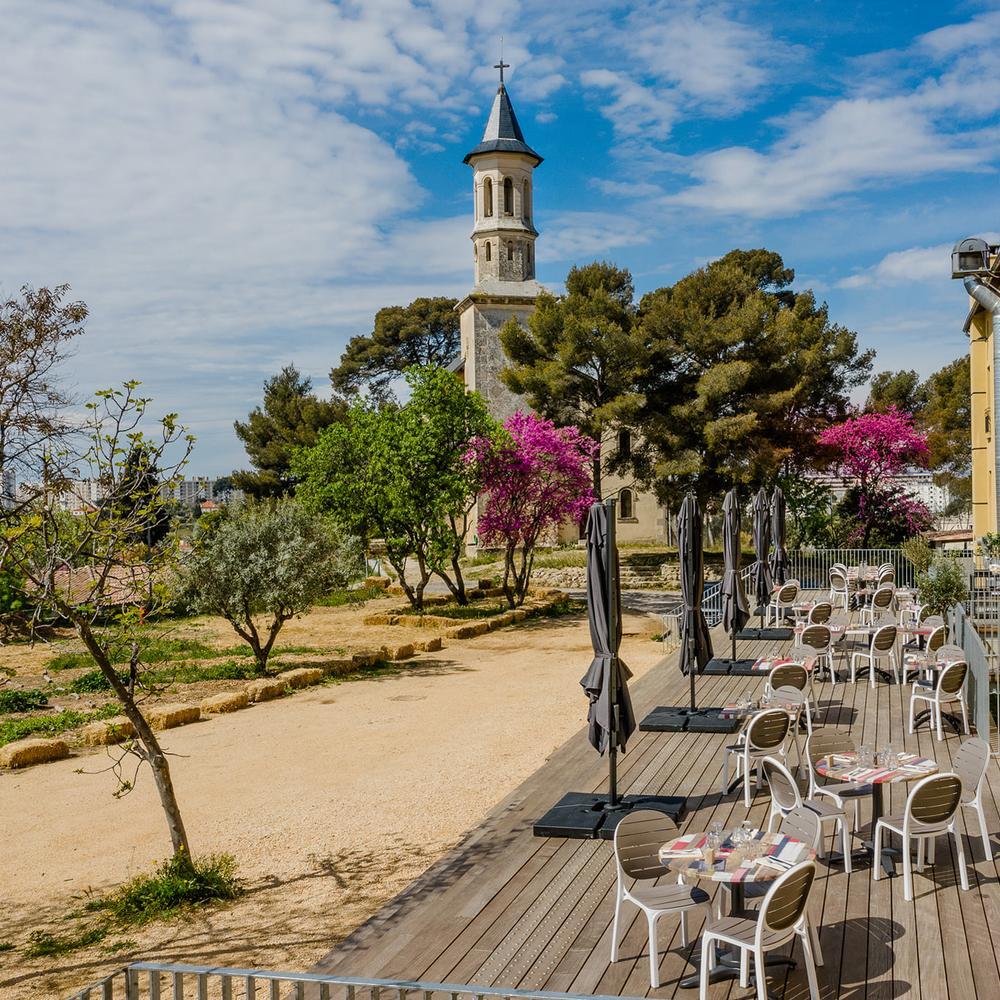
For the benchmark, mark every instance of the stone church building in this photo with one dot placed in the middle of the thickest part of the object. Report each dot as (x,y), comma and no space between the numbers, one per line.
(503,250)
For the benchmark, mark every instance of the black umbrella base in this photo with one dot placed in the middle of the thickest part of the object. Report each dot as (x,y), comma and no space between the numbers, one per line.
(584,816)
(670,719)
(776,634)
(729,668)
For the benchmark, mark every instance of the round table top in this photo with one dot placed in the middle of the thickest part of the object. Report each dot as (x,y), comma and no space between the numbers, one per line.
(844,767)
(684,856)
(765,664)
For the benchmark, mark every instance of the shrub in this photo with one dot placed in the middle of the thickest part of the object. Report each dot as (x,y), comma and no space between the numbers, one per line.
(175,885)
(22,701)
(41,944)
(918,552)
(943,585)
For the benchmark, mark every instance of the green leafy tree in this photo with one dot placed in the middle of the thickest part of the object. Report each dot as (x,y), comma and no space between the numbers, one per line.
(578,360)
(265,564)
(943,585)
(138,496)
(403,474)
(902,390)
(291,417)
(424,333)
(741,372)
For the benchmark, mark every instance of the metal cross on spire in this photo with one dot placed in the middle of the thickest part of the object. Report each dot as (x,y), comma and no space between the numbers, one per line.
(501,65)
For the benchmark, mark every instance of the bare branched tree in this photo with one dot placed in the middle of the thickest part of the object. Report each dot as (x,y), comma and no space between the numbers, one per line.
(35,330)
(89,569)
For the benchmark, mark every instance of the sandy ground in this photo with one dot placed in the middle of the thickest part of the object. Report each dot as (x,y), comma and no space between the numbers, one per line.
(332,801)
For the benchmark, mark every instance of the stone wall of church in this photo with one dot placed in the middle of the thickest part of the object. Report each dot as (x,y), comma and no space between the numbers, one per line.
(484,356)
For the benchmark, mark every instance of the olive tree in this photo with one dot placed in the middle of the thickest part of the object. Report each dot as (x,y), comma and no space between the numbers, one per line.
(266,563)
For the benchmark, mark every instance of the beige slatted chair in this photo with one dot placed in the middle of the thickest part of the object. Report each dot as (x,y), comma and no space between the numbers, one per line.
(816,641)
(882,647)
(785,796)
(820,613)
(781,603)
(949,690)
(917,653)
(879,606)
(822,743)
(930,811)
(781,918)
(638,839)
(840,589)
(886,576)
(970,765)
(764,736)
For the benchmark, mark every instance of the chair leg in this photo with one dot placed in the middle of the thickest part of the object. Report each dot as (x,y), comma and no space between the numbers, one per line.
(817,949)
(684,928)
(921,853)
(654,956)
(932,850)
(845,843)
(760,971)
(744,969)
(877,846)
(937,720)
(707,947)
(907,870)
(913,706)
(614,925)
(746,785)
(960,851)
(987,846)
(965,714)
(810,965)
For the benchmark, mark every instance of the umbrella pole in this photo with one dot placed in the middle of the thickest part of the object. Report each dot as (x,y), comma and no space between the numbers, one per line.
(610,565)
(733,634)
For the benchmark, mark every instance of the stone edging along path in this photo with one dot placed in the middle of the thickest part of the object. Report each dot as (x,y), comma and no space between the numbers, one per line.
(38,750)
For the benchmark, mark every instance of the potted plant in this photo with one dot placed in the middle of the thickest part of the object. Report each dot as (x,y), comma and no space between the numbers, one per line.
(942,585)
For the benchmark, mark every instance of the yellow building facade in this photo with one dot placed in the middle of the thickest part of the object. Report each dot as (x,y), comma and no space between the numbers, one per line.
(983,410)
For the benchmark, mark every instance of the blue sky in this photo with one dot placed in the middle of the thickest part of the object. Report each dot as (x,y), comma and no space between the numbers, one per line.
(235,186)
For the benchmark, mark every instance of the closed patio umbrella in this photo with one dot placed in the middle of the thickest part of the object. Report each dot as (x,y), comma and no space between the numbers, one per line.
(735,610)
(696,642)
(779,557)
(611,718)
(761,530)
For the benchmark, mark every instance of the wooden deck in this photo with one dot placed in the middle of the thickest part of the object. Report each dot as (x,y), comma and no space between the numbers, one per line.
(508,909)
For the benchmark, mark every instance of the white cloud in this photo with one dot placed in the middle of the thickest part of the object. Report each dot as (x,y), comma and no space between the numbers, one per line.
(916,264)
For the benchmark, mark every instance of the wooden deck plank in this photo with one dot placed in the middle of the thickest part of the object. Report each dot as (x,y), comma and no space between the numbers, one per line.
(506,908)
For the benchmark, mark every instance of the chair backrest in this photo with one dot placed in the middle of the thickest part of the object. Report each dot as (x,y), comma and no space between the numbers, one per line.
(786,900)
(886,576)
(788,592)
(934,800)
(840,568)
(792,675)
(767,729)
(784,791)
(801,823)
(936,639)
(923,612)
(883,567)
(638,839)
(882,598)
(884,638)
(953,677)
(819,613)
(816,637)
(838,580)
(826,741)
(970,764)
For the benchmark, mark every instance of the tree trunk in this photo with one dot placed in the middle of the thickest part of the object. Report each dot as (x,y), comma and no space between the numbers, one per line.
(153,752)
(508,569)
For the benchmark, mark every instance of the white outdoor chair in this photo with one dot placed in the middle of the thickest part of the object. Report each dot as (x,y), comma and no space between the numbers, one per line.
(840,589)
(930,811)
(816,642)
(949,690)
(781,918)
(970,765)
(879,606)
(882,647)
(822,743)
(780,606)
(916,660)
(764,736)
(638,839)
(820,613)
(785,796)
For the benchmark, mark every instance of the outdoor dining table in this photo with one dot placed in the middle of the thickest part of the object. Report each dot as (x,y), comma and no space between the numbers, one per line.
(765,664)
(845,767)
(762,860)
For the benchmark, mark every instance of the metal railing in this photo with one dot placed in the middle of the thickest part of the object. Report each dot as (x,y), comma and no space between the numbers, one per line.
(811,567)
(156,981)
(982,659)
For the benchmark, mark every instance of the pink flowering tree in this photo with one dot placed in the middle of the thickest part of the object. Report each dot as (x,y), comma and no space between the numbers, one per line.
(535,477)
(872,448)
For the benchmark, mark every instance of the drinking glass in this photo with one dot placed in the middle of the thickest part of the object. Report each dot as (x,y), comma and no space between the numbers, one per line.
(715,833)
(866,756)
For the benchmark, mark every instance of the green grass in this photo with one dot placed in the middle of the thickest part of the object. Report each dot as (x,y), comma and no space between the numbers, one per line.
(176,885)
(6,946)
(341,598)
(41,944)
(52,725)
(22,701)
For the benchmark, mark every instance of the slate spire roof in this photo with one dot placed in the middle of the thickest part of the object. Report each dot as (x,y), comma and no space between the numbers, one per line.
(502,133)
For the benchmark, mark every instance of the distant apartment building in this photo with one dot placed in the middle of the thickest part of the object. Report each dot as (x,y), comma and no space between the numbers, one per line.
(917,483)
(82,494)
(190,491)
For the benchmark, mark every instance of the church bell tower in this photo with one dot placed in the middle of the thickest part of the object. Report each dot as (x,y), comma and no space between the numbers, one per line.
(503,249)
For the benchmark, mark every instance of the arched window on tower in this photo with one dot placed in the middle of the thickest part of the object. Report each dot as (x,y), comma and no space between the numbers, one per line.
(488,197)
(510,250)
(489,255)
(526,201)
(508,196)
(626,505)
